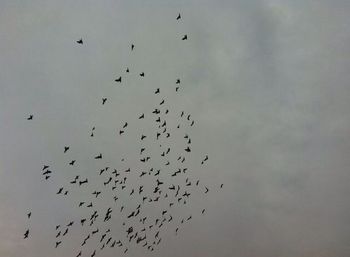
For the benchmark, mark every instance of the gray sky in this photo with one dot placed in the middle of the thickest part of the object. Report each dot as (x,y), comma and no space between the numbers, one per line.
(265,81)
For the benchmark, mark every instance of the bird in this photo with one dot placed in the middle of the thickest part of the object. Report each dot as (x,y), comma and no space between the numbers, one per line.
(184,37)
(98,156)
(45,167)
(60,191)
(127,69)
(178,17)
(125,125)
(66,148)
(203,211)
(30,117)
(58,243)
(221,185)
(29,215)
(178,81)
(72,162)
(104,100)
(132,47)
(26,234)
(206,190)
(142,116)
(157,91)
(118,79)
(142,74)
(80,41)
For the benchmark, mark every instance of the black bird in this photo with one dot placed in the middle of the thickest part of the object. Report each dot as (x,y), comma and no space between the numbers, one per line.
(66,148)
(205,159)
(125,125)
(80,41)
(29,214)
(203,211)
(221,185)
(184,37)
(161,102)
(30,117)
(72,162)
(142,116)
(188,149)
(118,79)
(70,224)
(206,190)
(45,167)
(83,182)
(178,17)
(157,91)
(47,172)
(121,132)
(65,232)
(142,74)
(58,243)
(98,156)
(132,47)
(82,221)
(79,254)
(60,190)
(127,69)
(178,81)
(81,204)
(57,227)
(26,234)
(104,100)
(143,137)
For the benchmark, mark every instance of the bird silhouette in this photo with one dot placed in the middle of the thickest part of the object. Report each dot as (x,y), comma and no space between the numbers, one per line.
(29,215)
(184,37)
(118,79)
(142,74)
(132,47)
(72,162)
(30,117)
(66,148)
(104,100)
(178,17)
(98,156)
(26,234)
(80,41)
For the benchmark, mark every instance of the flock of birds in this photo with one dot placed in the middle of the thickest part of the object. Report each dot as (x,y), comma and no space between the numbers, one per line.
(165,183)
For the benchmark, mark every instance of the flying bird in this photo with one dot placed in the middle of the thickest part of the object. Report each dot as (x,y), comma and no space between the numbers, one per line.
(98,156)
(26,234)
(30,117)
(80,41)
(184,37)
(178,17)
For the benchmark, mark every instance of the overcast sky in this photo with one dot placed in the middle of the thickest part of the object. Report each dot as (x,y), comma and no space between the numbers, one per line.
(267,83)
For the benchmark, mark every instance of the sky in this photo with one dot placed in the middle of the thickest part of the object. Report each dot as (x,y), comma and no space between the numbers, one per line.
(266,83)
